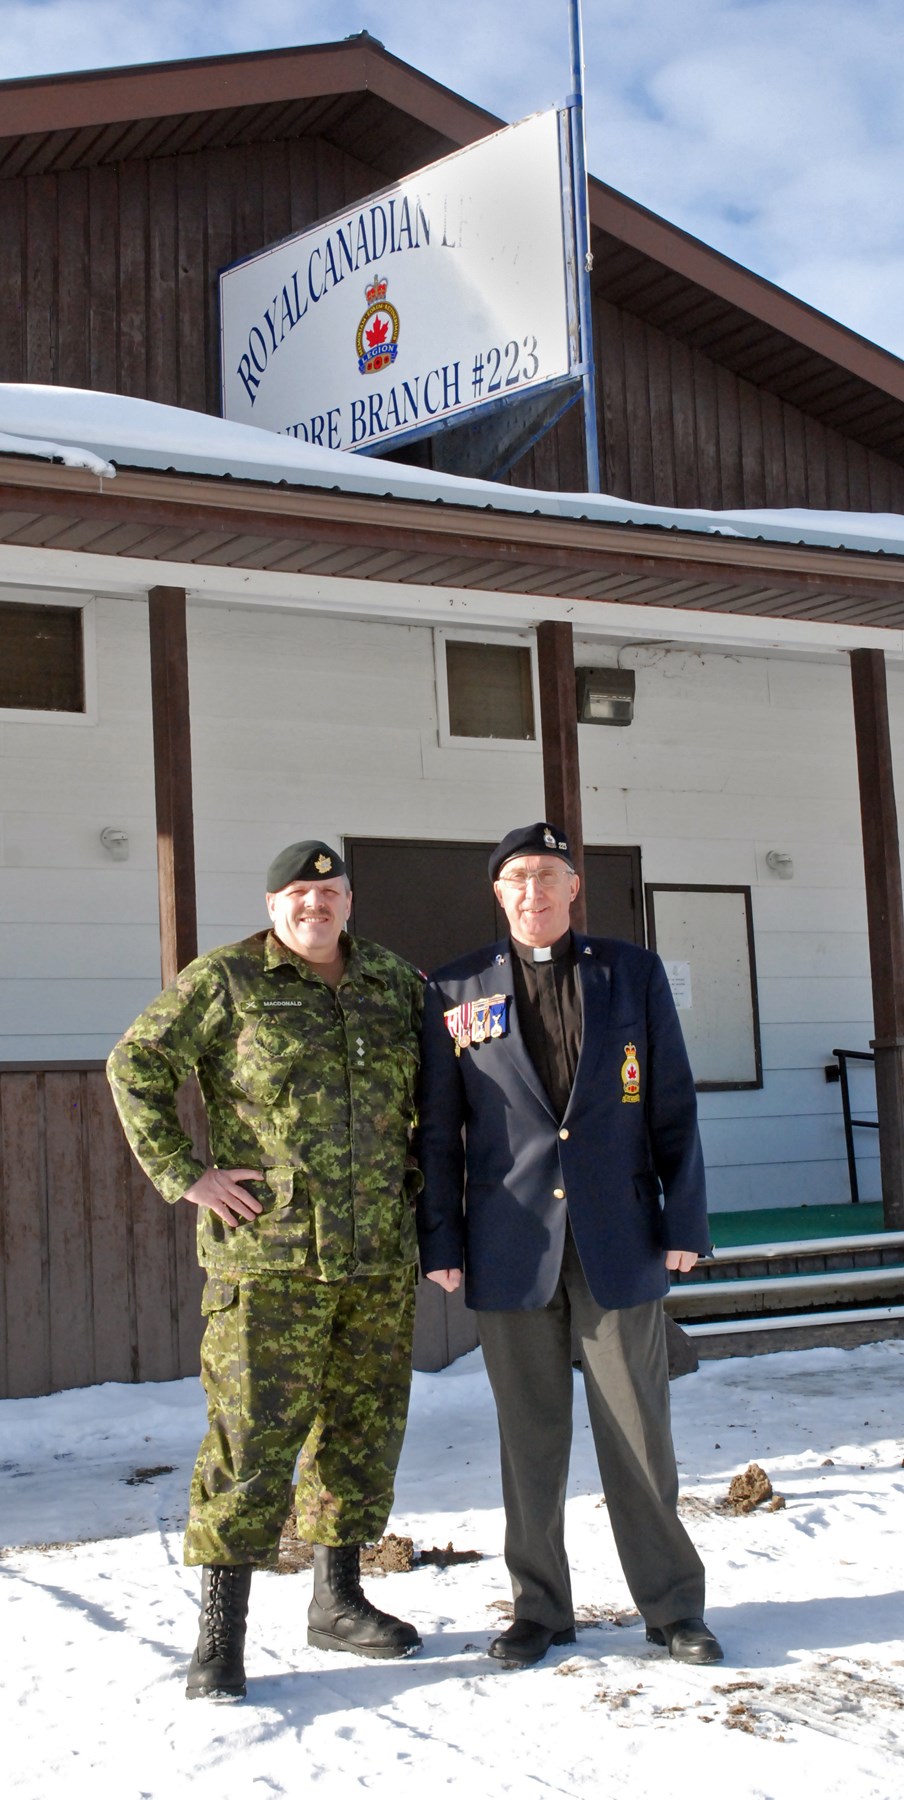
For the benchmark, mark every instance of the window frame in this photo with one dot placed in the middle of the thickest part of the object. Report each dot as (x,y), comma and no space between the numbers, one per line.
(522,640)
(41,715)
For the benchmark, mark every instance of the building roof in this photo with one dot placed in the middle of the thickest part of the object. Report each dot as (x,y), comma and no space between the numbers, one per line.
(134,478)
(373,106)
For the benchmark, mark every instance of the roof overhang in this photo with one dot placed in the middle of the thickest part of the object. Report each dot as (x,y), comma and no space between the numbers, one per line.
(166,518)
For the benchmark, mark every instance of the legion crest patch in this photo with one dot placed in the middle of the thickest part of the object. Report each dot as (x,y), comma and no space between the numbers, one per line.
(377,339)
(630,1075)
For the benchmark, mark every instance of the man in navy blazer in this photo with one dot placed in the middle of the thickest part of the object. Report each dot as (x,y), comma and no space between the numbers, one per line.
(564,1176)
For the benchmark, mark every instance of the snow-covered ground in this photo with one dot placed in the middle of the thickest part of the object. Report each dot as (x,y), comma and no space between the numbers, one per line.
(99,1615)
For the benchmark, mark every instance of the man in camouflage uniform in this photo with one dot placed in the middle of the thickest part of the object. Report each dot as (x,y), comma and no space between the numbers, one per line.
(305,1045)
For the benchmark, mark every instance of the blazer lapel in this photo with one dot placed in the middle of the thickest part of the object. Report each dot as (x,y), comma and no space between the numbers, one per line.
(497,979)
(595,978)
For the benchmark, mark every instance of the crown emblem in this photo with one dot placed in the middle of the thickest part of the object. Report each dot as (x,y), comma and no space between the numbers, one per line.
(376,289)
(323,863)
(549,838)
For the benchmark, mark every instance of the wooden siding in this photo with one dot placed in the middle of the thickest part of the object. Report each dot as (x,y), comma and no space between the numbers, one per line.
(109,281)
(109,274)
(100,1281)
(678,429)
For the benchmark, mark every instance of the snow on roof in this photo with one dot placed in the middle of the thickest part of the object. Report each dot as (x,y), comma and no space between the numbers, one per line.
(102,432)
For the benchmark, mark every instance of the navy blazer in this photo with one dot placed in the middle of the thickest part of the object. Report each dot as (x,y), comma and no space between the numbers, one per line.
(494,1154)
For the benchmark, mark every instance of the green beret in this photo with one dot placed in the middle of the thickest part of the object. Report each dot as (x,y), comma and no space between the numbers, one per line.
(308,861)
(541,839)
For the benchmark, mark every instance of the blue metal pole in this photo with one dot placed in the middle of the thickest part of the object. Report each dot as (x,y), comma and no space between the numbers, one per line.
(584,257)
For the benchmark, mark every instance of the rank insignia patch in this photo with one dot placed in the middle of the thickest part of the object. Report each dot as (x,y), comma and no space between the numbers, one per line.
(630,1074)
(477,1021)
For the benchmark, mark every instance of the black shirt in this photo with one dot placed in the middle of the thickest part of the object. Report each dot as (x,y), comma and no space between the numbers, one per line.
(548,999)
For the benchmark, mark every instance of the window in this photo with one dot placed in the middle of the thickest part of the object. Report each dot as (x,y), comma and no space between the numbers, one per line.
(487,689)
(42,662)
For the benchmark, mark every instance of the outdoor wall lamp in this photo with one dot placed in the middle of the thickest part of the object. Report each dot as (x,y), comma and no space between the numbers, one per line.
(781,864)
(605,696)
(115,842)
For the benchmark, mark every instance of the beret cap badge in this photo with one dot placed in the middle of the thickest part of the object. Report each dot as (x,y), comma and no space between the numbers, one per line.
(540,839)
(309,860)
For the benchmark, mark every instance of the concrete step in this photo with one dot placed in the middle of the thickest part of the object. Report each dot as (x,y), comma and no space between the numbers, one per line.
(749,1296)
(840,1329)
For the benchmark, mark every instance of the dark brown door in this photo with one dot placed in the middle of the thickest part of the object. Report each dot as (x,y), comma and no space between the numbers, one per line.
(431,902)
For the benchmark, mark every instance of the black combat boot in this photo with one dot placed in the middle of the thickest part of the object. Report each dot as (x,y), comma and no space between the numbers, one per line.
(217,1671)
(340,1617)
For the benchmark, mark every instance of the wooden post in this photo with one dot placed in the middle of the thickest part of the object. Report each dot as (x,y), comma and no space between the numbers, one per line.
(885,917)
(559,731)
(173,780)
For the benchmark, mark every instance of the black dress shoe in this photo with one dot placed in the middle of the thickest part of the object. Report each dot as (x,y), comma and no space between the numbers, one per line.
(687,1640)
(525,1642)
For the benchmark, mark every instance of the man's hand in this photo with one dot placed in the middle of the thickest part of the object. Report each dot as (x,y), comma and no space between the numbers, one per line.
(219,1190)
(682,1260)
(448,1279)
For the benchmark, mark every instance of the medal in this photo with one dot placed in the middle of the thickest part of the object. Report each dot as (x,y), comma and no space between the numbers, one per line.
(477,1021)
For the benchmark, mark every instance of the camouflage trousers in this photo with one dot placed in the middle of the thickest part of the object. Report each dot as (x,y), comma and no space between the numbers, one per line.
(292,1365)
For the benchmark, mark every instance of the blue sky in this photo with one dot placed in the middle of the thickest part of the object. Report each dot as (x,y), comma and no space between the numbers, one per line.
(773,129)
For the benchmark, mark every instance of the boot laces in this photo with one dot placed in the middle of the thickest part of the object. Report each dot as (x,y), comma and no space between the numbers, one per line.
(348,1589)
(222,1613)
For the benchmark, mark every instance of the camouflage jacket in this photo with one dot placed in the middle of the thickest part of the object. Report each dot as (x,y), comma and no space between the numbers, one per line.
(314,1087)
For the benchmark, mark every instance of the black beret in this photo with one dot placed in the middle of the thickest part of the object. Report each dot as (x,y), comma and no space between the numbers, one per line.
(542,839)
(308,861)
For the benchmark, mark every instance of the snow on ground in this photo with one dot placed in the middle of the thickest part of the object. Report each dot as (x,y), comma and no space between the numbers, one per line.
(99,1615)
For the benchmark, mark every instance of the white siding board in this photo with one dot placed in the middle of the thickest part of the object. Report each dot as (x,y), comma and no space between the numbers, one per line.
(803,1184)
(795,1046)
(728,1142)
(30,951)
(790,1000)
(709,815)
(785,1092)
(787,907)
(816,955)
(114,892)
(69,1005)
(81,1046)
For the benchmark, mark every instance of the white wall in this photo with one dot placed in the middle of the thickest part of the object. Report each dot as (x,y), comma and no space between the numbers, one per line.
(729,757)
(309,725)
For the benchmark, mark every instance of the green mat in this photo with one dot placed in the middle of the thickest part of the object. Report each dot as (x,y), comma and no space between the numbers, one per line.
(786,1224)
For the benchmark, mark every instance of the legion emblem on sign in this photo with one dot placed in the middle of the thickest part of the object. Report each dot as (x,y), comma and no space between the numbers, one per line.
(378,332)
(630,1075)
(323,863)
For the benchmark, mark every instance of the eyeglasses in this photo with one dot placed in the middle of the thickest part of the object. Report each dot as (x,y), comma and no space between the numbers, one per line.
(545,878)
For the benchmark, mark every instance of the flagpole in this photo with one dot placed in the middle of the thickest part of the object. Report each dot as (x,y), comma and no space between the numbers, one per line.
(583,254)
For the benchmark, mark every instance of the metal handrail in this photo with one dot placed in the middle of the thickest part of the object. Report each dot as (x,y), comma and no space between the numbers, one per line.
(844,1057)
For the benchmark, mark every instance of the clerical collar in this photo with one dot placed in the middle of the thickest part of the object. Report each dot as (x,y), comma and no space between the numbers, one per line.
(535,953)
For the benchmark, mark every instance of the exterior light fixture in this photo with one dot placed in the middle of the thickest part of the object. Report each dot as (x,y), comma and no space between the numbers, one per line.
(605,696)
(116,843)
(781,864)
